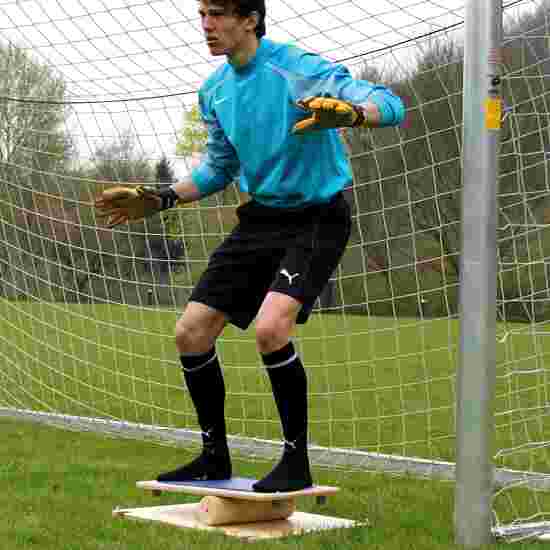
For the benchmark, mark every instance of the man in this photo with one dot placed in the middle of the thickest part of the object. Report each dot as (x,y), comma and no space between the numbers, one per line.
(272,113)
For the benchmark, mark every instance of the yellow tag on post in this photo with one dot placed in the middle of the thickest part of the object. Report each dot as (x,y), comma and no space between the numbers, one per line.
(493,113)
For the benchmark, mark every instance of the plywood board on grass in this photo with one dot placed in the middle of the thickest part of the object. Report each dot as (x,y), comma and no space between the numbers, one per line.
(185,516)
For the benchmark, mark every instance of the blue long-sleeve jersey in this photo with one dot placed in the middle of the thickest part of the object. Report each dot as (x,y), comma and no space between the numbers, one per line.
(250,112)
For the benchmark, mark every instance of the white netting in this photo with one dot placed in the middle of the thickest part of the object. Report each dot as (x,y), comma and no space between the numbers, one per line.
(96,91)
(523,292)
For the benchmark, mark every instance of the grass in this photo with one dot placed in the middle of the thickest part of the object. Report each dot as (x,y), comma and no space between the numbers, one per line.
(376,384)
(60,487)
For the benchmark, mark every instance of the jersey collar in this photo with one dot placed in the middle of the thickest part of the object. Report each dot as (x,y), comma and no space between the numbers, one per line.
(258,59)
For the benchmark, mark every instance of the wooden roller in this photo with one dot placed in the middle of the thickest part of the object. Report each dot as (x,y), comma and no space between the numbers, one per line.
(228,511)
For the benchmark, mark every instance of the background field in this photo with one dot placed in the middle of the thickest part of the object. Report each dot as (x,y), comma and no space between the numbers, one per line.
(376,384)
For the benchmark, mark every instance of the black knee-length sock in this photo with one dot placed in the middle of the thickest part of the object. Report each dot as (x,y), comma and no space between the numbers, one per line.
(204,380)
(289,384)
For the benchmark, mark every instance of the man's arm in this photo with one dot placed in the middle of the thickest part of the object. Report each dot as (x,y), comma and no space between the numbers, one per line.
(327,113)
(335,99)
(372,114)
(186,190)
(131,203)
(220,164)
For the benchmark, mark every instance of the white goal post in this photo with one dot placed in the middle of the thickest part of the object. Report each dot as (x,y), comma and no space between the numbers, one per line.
(477,372)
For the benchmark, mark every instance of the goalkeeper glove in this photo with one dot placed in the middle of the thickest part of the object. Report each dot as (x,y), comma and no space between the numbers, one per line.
(328,112)
(124,204)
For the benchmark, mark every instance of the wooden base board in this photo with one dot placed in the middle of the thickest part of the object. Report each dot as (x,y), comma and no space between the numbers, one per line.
(185,516)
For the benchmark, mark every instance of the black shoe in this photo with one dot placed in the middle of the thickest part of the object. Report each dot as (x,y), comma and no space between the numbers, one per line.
(214,463)
(292,472)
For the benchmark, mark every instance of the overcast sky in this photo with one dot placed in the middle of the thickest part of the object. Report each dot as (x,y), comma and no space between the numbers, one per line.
(109,50)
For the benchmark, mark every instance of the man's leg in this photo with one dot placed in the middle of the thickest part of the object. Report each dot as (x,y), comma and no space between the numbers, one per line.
(196,334)
(275,325)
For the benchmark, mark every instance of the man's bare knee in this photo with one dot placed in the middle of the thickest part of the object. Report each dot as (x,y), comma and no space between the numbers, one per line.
(273,333)
(276,322)
(198,328)
(265,336)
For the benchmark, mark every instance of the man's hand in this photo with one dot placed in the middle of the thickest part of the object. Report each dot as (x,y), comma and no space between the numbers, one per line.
(125,204)
(328,112)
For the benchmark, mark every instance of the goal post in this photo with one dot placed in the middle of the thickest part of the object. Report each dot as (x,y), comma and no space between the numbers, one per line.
(477,368)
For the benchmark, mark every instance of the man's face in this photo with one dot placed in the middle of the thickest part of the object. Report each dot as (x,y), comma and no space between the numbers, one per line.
(224,30)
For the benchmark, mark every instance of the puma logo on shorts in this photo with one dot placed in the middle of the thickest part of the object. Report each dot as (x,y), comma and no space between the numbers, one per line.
(289,276)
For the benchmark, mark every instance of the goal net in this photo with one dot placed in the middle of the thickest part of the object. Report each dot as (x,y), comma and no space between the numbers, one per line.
(96,92)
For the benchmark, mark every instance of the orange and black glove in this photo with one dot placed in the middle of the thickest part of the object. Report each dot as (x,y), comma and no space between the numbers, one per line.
(328,112)
(125,204)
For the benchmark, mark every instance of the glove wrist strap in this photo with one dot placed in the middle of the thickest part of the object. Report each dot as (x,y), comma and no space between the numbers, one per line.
(361,117)
(168,198)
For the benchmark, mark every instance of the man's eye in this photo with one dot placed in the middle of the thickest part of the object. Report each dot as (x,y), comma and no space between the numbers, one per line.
(203,14)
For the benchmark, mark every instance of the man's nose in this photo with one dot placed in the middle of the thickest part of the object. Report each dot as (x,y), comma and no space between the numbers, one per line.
(207,23)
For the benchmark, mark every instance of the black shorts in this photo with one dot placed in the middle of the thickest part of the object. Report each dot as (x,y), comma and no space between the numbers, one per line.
(293,252)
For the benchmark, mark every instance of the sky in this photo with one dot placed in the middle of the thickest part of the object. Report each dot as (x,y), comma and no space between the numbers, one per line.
(164,35)
(115,53)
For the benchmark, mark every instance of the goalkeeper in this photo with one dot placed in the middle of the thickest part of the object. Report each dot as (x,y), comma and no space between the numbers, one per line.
(272,113)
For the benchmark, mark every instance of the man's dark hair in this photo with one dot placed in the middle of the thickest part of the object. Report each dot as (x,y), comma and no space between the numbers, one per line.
(244,8)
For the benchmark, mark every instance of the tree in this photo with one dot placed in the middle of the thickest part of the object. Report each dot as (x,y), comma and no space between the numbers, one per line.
(164,172)
(119,254)
(121,161)
(32,111)
(34,151)
(523,198)
(192,142)
(33,143)
(193,135)
(73,257)
(166,250)
(408,182)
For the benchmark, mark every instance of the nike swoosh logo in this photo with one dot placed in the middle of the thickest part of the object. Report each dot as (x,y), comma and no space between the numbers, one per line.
(219,101)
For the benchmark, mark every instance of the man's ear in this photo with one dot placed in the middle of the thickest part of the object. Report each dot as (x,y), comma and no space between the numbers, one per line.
(255,19)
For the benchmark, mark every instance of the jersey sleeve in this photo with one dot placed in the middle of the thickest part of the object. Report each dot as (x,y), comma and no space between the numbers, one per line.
(220,165)
(323,78)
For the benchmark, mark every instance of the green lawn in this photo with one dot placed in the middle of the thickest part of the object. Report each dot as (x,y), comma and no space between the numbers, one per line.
(376,384)
(60,487)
